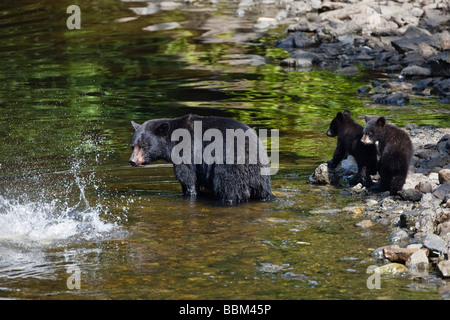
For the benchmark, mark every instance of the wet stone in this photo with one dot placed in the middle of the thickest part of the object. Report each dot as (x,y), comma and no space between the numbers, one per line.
(398,235)
(444,176)
(418,262)
(415,71)
(410,195)
(435,243)
(424,187)
(444,268)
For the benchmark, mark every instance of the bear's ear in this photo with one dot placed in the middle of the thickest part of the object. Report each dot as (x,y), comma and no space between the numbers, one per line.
(381,121)
(135,125)
(367,118)
(162,129)
(340,116)
(347,113)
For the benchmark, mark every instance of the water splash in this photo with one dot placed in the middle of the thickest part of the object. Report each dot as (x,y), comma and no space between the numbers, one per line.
(45,223)
(54,209)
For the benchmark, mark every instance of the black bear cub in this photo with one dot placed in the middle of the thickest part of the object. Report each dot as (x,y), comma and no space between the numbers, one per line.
(395,150)
(349,134)
(205,157)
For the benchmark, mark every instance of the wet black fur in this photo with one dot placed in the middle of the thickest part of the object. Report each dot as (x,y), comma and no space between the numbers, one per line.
(395,150)
(227,182)
(349,135)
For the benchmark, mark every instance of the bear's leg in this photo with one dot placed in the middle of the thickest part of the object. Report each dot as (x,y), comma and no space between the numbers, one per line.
(338,155)
(365,176)
(385,179)
(187,177)
(397,183)
(231,183)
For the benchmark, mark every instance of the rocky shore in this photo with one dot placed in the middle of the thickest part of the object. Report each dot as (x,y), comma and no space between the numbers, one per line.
(418,217)
(405,39)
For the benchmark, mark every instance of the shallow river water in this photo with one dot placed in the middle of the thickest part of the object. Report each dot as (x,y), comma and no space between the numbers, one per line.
(70,205)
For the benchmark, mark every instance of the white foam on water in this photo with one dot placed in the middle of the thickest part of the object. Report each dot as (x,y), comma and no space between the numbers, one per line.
(27,222)
(53,208)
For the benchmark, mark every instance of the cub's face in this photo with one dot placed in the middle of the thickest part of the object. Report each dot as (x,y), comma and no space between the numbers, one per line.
(373,130)
(338,122)
(333,129)
(149,142)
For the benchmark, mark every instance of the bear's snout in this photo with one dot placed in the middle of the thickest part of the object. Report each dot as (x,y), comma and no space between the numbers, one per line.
(366,140)
(137,158)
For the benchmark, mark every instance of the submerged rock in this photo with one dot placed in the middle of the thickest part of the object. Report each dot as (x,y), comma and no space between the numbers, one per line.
(392,268)
(398,235)
(162,26)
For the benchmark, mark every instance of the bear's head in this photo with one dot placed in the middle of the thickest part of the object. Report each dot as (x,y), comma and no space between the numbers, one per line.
(337,122)
(374,130)
(150,142)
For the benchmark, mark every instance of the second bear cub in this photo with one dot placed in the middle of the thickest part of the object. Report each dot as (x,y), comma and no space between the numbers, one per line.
(395,149)
(349,134)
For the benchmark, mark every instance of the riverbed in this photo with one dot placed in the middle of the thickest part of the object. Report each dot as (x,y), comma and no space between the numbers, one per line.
(70,201)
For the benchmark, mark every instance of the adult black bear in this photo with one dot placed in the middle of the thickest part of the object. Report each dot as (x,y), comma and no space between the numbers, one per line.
(349,135)
(205,155)
(395,150)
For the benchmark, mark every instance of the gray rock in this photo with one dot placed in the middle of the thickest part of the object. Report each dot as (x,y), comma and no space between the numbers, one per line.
(414,32)
(302,41)
(162,26)
(244,59)
(404,45)
(439,161)
(367,223)
(348,71)
(443,191)
(440,64)
(379,252)
(443,144)
(443,228)
(364,90)
(303,63)
(396,99)
(435,243)
(444,268)
(398,235)
(421,85)
(426,51)
(424,187)
(325,175)
(410,194)
(418,263)
(425,224)
(444,176)
(415,71)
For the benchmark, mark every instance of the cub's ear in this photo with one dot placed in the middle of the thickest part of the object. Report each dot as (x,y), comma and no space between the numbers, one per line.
(367,118)
(340,116)
(162,129)
(135,125)
(347,113)
(381,121)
